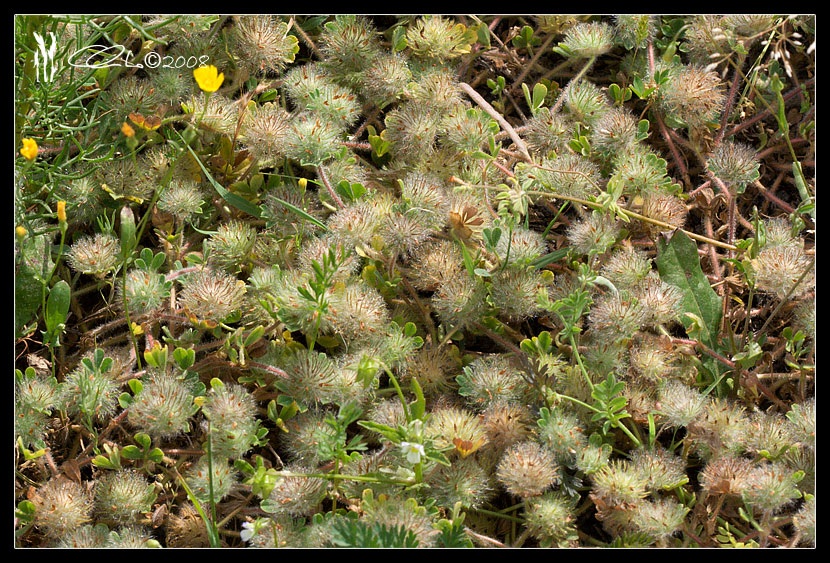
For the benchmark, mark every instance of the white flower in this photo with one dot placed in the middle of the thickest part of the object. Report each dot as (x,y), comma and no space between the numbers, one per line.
(413,451)
(248,531)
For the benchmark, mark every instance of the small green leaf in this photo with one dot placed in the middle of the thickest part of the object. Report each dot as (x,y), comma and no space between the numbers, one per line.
(131,452)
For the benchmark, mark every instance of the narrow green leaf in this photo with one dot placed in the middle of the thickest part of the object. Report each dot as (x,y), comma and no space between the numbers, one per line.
(238,202)
(302,214)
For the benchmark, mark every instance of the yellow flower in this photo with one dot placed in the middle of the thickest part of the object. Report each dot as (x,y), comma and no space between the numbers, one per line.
(62,211)
(208,78)
(21,232)
(127,130)
(29,149)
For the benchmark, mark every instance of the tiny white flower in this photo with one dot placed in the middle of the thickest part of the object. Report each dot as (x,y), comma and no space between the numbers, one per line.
(247,531)
(413,451)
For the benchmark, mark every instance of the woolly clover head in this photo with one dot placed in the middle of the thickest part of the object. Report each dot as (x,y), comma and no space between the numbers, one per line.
(546,132)
(567,174)
(265,131)
(122,495)
(62,506)
(349,45)
(433,368)
(771,487)
(489,379)
(778,268)
(550,518)
(163,407)
(507,422)
(734,163)
(385,81)
(95,255)
(594,234)
(230,246)
(296,495)
(679,403)
(438,38)
(312,140)
(452,426)
(205,478)
(615,131)
(586,102)
(411,129)
(693,95)
(212,296)
(465,481)
(182,199)
(586,40)
(527,469)
(262,43)
(231,411)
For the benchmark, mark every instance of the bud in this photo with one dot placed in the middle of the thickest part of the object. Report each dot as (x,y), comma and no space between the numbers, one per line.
(62,211)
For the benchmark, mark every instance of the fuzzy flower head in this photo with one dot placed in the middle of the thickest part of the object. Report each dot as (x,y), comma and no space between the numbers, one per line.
(212,296)
(588,39)
(586,102)
(266,133)
(778,268)
(62,506)
(312,140)
(734,163)
(457,427)
(95,255)
(594,234)
(527,469)
(694,96)
(263,43)
(439,38)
